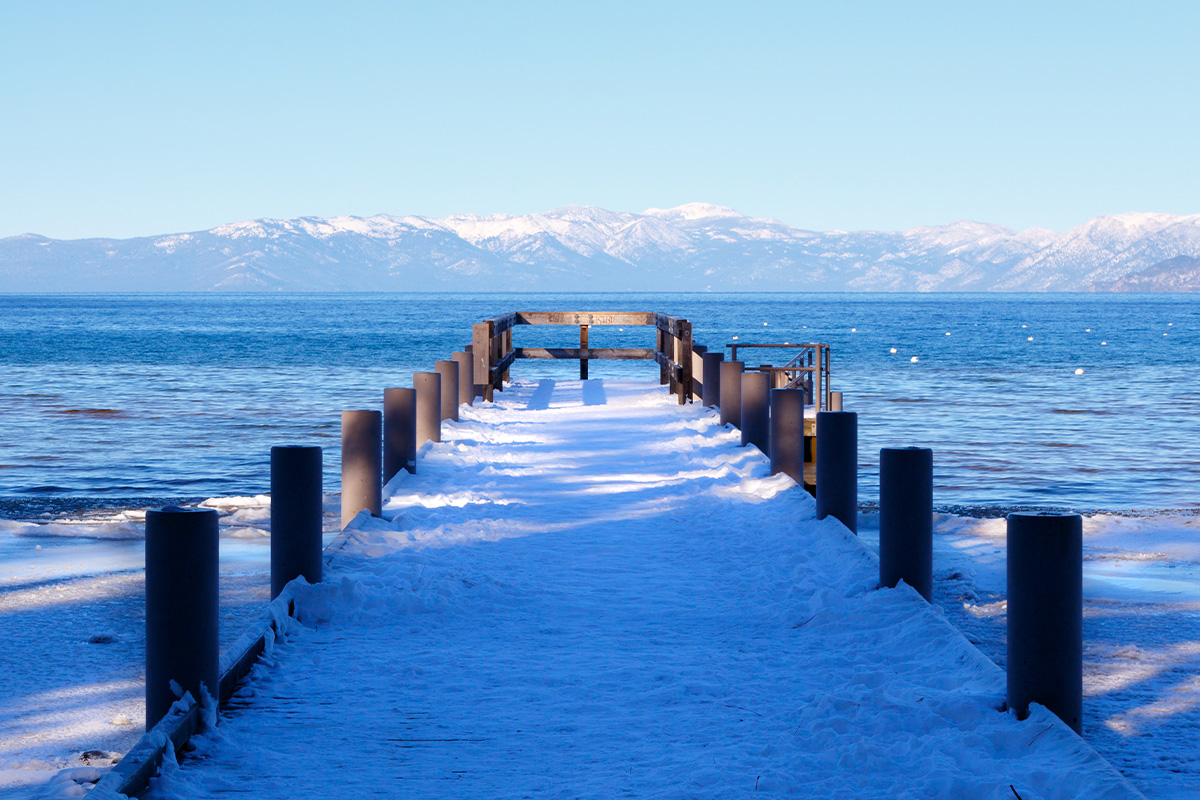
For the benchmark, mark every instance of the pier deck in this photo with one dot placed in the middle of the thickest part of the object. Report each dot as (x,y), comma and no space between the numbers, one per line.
(589,591)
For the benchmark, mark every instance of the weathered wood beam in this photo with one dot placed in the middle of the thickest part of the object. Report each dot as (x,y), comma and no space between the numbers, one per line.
(501,366)
(685,361)
(668,324)
(610,353)
(583,318)
(503,322)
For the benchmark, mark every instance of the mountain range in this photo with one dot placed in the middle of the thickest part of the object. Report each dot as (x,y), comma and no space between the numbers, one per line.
(694,247)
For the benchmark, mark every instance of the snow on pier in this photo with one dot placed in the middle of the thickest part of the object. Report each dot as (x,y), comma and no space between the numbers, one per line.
(589,591)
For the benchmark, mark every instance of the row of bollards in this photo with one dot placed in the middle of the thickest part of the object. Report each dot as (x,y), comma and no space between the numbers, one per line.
(182,544)
(182,597)
(1044,567)
(773,421)
(410,418)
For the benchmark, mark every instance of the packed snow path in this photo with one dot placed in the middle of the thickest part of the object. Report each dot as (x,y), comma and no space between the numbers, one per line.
(588,591)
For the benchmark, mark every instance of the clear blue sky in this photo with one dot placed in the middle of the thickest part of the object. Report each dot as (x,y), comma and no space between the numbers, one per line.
(126,119)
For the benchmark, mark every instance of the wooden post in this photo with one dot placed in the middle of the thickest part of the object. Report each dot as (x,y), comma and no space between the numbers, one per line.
(508,346)
(685,359)
(661,347)
(583,352)
(817,396)
(498,378)
(481,349)
(673,364)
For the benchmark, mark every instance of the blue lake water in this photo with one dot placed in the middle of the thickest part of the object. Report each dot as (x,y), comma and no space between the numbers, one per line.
(115,400)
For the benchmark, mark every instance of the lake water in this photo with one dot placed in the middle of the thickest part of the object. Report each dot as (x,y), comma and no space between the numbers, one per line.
(137,400)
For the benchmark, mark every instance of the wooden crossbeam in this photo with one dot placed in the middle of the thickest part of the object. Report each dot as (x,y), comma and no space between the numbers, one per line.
(613,353)
(583,318)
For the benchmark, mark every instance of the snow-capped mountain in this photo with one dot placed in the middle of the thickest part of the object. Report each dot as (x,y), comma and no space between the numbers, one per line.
(695,247)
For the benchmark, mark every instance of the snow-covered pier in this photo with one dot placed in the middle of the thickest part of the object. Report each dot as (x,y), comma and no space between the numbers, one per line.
(587,590)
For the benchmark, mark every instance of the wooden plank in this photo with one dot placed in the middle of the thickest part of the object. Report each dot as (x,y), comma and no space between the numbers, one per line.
(131,777)
(584,318)
(501,367)
(610,353)
(481,351)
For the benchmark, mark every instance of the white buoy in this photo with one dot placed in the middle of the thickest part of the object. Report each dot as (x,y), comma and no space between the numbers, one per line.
(913,359)
(764,324)
(1079,371)
(1029,339)
(1024,326)
(1104,343)
(893,349)
(854,330)
(1087,330)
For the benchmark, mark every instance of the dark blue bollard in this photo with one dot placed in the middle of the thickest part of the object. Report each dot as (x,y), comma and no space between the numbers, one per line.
(756,388)
(296,500)
(362,463)
(399,432)
(906,518)
(787,433)
(837,467)
(731,392)
(712,378)
(1045,614)
(181,607)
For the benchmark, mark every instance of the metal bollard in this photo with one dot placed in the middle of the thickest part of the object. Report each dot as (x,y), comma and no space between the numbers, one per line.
(466,379)
(1045,614)
(449,391)
(182,607)
(362,463)
(786,438)
(837,467)
(906,518)
(296,500)
(756,388)
(399,432)
(429,407)
(712,378)
(835,401)
(731,392)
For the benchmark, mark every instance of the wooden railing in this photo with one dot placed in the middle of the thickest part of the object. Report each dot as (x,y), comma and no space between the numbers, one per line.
(492,350)
(808,369)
